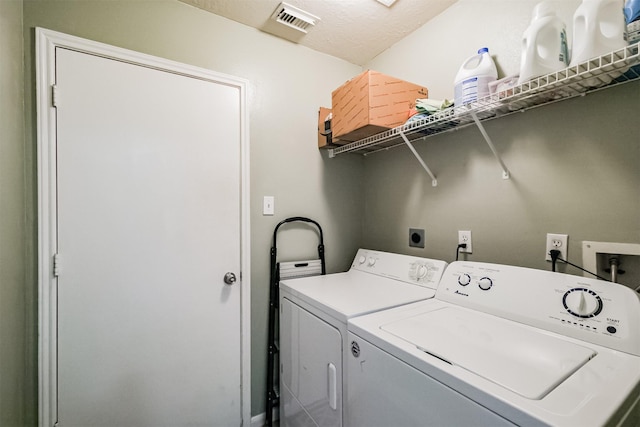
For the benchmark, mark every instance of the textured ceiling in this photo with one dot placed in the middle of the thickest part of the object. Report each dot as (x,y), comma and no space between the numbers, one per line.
(354,30)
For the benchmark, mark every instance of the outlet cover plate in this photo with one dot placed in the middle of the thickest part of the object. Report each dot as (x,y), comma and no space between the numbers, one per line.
(464,236)
(559,242)
(416,237)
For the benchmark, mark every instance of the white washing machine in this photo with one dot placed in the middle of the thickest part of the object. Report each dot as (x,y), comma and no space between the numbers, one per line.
(313,327)
(497,346)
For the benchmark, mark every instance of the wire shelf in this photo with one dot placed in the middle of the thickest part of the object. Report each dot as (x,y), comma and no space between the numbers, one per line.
(614,68)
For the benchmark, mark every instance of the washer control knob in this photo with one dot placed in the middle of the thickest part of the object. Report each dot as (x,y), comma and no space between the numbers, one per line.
(362,259)
(464,279)
(485,283)
(582,302)
(372,261)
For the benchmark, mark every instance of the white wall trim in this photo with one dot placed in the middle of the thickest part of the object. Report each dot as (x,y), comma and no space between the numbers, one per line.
(46,43)
(259,420)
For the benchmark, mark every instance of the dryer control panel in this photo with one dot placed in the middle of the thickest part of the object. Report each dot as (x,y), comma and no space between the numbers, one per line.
(596,311)
(420,271)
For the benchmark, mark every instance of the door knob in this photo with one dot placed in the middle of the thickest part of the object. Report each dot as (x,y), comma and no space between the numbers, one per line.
(229,278)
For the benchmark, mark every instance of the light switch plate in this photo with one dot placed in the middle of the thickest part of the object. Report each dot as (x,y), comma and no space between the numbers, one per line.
(268,207)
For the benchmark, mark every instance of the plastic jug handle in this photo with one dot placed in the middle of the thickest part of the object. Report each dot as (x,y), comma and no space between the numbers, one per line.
(476,58)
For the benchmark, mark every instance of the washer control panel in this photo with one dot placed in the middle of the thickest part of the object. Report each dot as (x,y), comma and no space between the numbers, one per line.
(592,310)
(420,271)
(483,283)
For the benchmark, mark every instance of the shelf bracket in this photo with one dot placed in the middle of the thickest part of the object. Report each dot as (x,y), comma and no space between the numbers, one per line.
(505,171)
(434,181)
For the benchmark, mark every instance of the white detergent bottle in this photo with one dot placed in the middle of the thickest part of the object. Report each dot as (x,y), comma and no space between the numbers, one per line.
(544,44)
(473,78)
(598,28)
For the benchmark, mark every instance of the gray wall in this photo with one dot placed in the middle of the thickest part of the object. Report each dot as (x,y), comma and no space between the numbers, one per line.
(287,84)
(13,322)
(574,164)
(574,170)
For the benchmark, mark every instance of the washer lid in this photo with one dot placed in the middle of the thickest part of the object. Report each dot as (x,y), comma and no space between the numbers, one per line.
(517,357)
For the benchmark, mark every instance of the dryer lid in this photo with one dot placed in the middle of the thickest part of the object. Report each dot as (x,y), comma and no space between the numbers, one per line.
(522,359)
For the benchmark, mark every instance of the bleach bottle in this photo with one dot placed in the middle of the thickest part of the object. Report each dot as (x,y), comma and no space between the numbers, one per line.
(544,44)
(473,78)
(598,28)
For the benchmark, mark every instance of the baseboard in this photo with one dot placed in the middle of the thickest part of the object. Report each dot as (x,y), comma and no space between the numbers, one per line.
(259,420)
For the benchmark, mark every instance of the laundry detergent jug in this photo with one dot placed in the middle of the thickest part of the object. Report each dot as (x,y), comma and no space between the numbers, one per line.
(544,44)
(632,19)
(598,28)
(473,78)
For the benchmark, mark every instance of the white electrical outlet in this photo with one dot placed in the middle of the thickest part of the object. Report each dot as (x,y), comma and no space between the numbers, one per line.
(465,237)
(558,242)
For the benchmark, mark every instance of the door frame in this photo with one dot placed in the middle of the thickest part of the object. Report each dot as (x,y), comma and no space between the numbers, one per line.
(46,43)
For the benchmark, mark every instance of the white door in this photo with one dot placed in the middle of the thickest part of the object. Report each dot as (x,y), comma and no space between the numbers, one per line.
(148,222)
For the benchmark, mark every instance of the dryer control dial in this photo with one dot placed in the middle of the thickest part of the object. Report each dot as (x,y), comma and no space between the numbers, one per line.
(582,302)
(422,271)
(362,259)
(371,261)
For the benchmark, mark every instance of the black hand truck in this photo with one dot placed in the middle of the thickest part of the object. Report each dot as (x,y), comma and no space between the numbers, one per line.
(287,271)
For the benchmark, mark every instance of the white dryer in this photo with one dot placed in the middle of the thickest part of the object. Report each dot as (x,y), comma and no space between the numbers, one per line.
(499,345)
(313,327)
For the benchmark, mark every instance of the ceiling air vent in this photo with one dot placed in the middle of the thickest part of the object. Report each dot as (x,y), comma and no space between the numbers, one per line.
(294,17)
